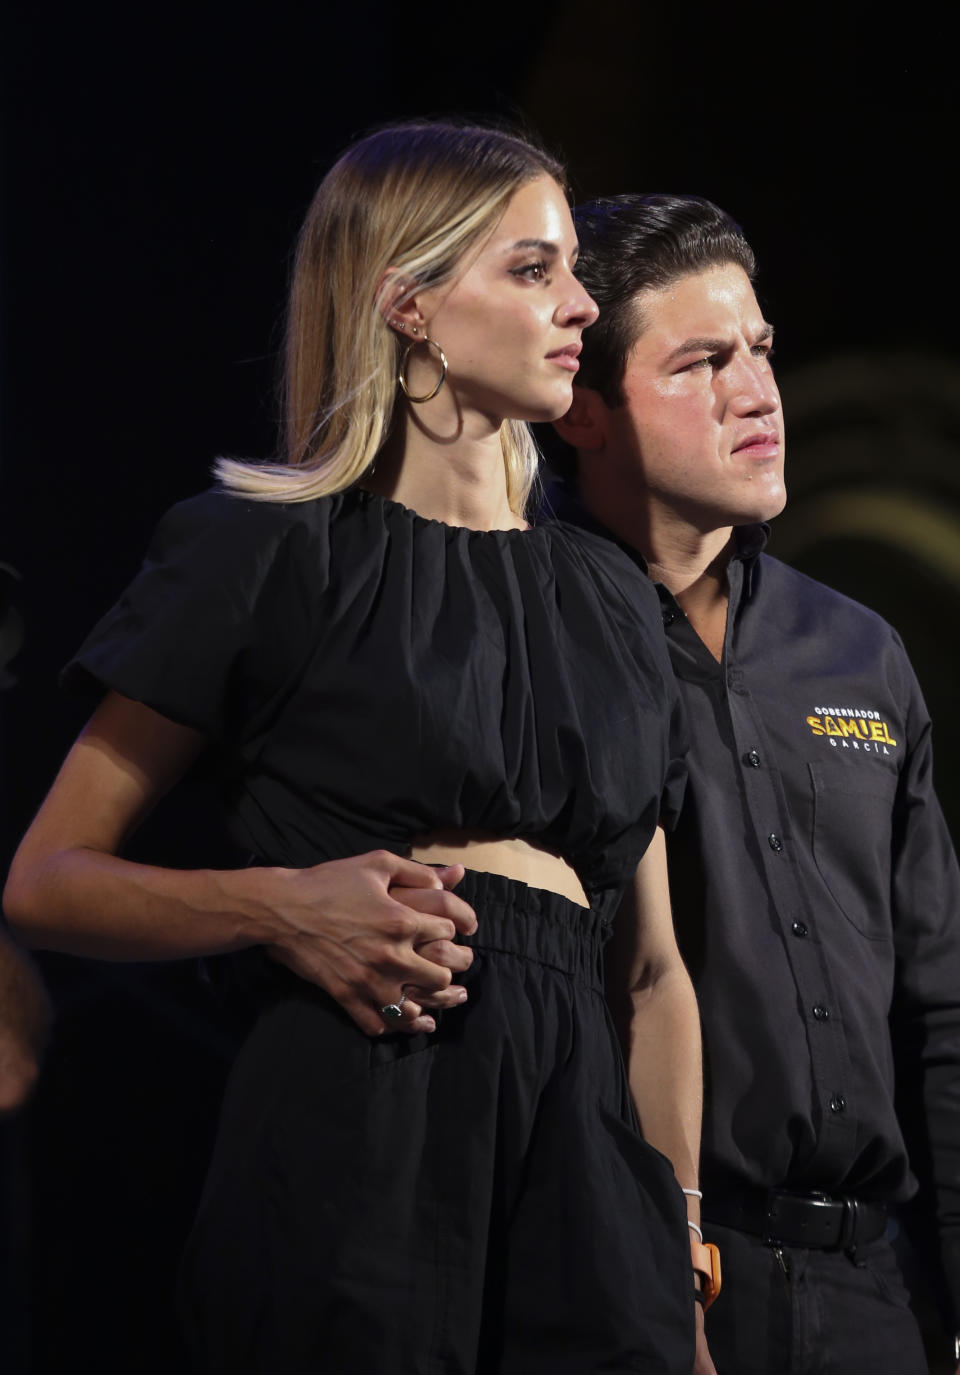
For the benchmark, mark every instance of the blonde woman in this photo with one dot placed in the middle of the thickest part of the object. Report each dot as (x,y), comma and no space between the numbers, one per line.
(428,1160)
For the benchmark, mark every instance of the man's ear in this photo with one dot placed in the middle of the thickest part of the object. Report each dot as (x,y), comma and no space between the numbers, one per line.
(583,426)
(397,301)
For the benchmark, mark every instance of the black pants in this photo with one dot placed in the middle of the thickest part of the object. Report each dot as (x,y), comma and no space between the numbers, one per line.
(829,1314)
(473,1202)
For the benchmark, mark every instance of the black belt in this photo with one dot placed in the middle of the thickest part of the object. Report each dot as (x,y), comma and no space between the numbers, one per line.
(785,1219)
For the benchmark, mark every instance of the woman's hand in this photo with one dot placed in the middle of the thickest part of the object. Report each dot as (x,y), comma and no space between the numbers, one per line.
(25,1016)
(372,930)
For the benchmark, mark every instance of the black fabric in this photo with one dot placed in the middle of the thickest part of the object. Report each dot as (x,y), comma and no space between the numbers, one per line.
(796,1311)
(479,1200)
(816,893)
(369,676)
(494,1208)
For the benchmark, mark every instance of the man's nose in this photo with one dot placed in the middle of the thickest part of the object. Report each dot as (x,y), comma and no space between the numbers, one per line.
(755,391)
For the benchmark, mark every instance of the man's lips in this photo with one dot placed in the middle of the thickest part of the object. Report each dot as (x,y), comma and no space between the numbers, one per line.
(760,444)
(567,357)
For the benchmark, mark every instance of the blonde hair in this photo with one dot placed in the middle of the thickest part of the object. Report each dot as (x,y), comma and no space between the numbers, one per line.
(413,198)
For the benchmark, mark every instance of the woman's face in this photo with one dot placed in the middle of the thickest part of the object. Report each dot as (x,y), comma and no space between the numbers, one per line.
(511,321)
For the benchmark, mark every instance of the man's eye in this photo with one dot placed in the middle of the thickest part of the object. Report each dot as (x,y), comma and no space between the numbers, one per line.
(764,351)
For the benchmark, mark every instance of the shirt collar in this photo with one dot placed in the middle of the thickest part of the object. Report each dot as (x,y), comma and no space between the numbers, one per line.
(751,541)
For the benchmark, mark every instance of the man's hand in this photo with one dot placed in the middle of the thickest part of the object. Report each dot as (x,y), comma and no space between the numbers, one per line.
(456,958)
(357,927)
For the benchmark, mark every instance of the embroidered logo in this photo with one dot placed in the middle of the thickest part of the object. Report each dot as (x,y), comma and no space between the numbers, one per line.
(857,728)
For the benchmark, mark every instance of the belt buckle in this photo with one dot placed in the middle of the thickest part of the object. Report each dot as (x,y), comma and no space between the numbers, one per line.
(770,1218)
(848,1224)
(816,1208)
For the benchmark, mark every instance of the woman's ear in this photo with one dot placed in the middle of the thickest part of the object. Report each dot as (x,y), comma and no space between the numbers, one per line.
(397,300)
(583,426)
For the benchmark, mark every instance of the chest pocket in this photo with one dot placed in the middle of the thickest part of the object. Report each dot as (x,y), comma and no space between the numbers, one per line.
(851,842)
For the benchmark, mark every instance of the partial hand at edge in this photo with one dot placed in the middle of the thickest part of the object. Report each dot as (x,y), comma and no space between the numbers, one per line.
(703,1361)
(341,928)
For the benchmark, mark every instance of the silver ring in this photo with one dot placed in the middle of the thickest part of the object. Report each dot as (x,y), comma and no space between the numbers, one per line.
(392,1011)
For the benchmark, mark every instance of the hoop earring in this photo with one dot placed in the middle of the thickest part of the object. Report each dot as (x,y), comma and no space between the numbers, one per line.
(402,378)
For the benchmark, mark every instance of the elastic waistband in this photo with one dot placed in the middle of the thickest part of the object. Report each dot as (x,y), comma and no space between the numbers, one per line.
(536,924)
(783,1218)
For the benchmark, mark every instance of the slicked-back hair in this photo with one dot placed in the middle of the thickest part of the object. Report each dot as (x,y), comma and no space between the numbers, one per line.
(630,244)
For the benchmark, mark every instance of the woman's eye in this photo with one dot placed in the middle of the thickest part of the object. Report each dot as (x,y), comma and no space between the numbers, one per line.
(533,272)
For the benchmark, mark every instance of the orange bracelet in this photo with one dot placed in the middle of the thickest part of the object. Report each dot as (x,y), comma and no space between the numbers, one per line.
(706,1262)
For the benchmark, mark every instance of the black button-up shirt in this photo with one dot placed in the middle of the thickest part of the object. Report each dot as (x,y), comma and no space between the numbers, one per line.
(815,893)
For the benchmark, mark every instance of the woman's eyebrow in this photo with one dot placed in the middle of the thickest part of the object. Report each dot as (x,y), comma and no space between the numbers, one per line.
(542,245)
(545,246)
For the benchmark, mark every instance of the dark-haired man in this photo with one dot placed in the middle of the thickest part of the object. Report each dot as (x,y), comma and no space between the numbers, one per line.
(815,889)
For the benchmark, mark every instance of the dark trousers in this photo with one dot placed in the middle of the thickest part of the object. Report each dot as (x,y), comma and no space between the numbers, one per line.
(808,1312)
(475,1202)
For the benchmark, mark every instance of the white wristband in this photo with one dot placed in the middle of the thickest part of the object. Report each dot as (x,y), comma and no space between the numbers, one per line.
(694,1228)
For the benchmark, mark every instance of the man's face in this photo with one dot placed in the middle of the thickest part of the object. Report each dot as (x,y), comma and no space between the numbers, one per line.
(702,425)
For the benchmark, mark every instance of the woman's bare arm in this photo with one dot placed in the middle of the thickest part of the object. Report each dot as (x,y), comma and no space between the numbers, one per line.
(655,1008)
(656,1013)
(334,924)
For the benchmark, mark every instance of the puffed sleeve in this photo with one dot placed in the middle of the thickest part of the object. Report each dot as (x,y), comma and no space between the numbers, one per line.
(631,600)
(214,585)
(631,589)
(638,599)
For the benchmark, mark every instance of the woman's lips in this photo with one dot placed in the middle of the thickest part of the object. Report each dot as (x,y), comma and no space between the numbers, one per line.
(567,357)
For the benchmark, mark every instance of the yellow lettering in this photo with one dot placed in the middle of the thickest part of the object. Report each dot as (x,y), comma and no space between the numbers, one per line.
(814,723)
(831,726)
(879,731)
(853,727)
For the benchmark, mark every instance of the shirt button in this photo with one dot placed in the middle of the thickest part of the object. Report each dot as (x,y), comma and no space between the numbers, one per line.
(753,759)
(821,1013)
(800,928)
(838,1103)
(669,617)
(775,843)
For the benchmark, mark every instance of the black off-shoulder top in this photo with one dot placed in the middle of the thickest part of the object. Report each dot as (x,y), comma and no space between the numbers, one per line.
(367,675)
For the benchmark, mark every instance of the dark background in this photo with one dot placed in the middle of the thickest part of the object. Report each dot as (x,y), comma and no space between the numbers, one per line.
(157,164)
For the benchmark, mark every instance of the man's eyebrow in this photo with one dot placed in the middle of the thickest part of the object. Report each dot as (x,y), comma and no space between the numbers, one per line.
(701,344)
(709,344)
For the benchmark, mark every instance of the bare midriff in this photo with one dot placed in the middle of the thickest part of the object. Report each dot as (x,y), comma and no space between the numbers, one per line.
(519,859)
